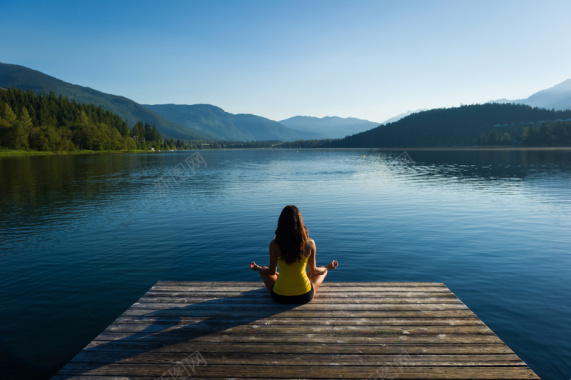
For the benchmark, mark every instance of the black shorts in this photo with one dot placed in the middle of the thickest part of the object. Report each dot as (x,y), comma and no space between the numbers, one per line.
(293,300)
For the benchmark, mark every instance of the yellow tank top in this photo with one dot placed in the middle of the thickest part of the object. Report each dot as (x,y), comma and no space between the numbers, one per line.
(293,280)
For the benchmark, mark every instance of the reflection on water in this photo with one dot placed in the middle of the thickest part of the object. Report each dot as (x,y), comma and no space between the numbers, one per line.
(84,236)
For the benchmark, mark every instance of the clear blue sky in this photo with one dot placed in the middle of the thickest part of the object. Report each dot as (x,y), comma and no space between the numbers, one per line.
(365,59)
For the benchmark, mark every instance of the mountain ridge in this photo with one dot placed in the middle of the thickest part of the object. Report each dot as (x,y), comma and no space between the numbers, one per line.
(557,97)
(402,116)
(220,125)
(213,120)
(467,125)
(24,78)
(204,121)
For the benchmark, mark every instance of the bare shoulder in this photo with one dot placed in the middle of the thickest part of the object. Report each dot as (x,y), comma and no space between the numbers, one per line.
(310,242)
(309,247)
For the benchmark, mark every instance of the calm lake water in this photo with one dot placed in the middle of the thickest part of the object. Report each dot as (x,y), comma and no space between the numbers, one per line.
(84,236)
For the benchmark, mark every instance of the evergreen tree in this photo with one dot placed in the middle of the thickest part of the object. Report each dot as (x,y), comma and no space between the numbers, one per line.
(8,120)
(506,138)
(47,122)
(21,133)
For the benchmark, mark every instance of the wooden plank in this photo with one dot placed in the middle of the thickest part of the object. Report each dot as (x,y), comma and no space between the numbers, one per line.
(353,289)
(254,328)
(256,284)
(349,330)
(302,371)
(264,294)
(222,336)
(230,306)
(297,313)
(262,358)
(132,348)
(321,321)
(316,301)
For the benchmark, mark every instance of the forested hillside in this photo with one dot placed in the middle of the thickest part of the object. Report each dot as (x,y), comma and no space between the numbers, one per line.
(21,77)
(486,124)
(52,123)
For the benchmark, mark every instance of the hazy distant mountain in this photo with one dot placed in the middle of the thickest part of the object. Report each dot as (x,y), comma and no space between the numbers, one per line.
(27,79)
(400,116)
(226,126)
(329,126)
(557,97)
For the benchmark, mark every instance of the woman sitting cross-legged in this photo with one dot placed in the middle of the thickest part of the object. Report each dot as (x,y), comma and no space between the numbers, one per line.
(293,250)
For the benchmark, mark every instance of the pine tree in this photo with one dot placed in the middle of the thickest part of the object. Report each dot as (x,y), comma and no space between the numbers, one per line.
(21,133)
(8,120)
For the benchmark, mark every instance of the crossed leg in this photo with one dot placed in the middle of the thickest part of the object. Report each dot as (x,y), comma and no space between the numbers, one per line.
(316,279)
(269,280)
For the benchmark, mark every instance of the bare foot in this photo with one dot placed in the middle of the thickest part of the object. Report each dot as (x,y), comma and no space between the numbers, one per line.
(333,265)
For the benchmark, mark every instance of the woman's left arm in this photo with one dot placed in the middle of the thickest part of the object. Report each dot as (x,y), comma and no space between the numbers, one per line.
(312,262)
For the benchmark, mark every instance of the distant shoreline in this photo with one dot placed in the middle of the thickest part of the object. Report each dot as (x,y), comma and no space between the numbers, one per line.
(13,153)
(480,148)
(397,149)
(466,148)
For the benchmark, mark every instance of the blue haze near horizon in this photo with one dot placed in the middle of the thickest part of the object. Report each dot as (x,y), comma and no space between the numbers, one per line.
(84,236)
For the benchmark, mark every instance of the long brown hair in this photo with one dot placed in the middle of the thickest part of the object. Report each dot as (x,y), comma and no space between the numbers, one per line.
(291,234)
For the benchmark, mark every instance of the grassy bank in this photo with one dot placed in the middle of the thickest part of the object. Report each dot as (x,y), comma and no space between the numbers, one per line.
(11,152)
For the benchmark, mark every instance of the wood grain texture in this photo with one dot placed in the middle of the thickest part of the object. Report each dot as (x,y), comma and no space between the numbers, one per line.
(220,330)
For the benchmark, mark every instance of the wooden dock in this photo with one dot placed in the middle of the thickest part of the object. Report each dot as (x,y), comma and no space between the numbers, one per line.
(193,330)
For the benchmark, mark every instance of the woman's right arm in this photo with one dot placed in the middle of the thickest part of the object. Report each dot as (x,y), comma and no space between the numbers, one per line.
(273,268)
(312,262)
